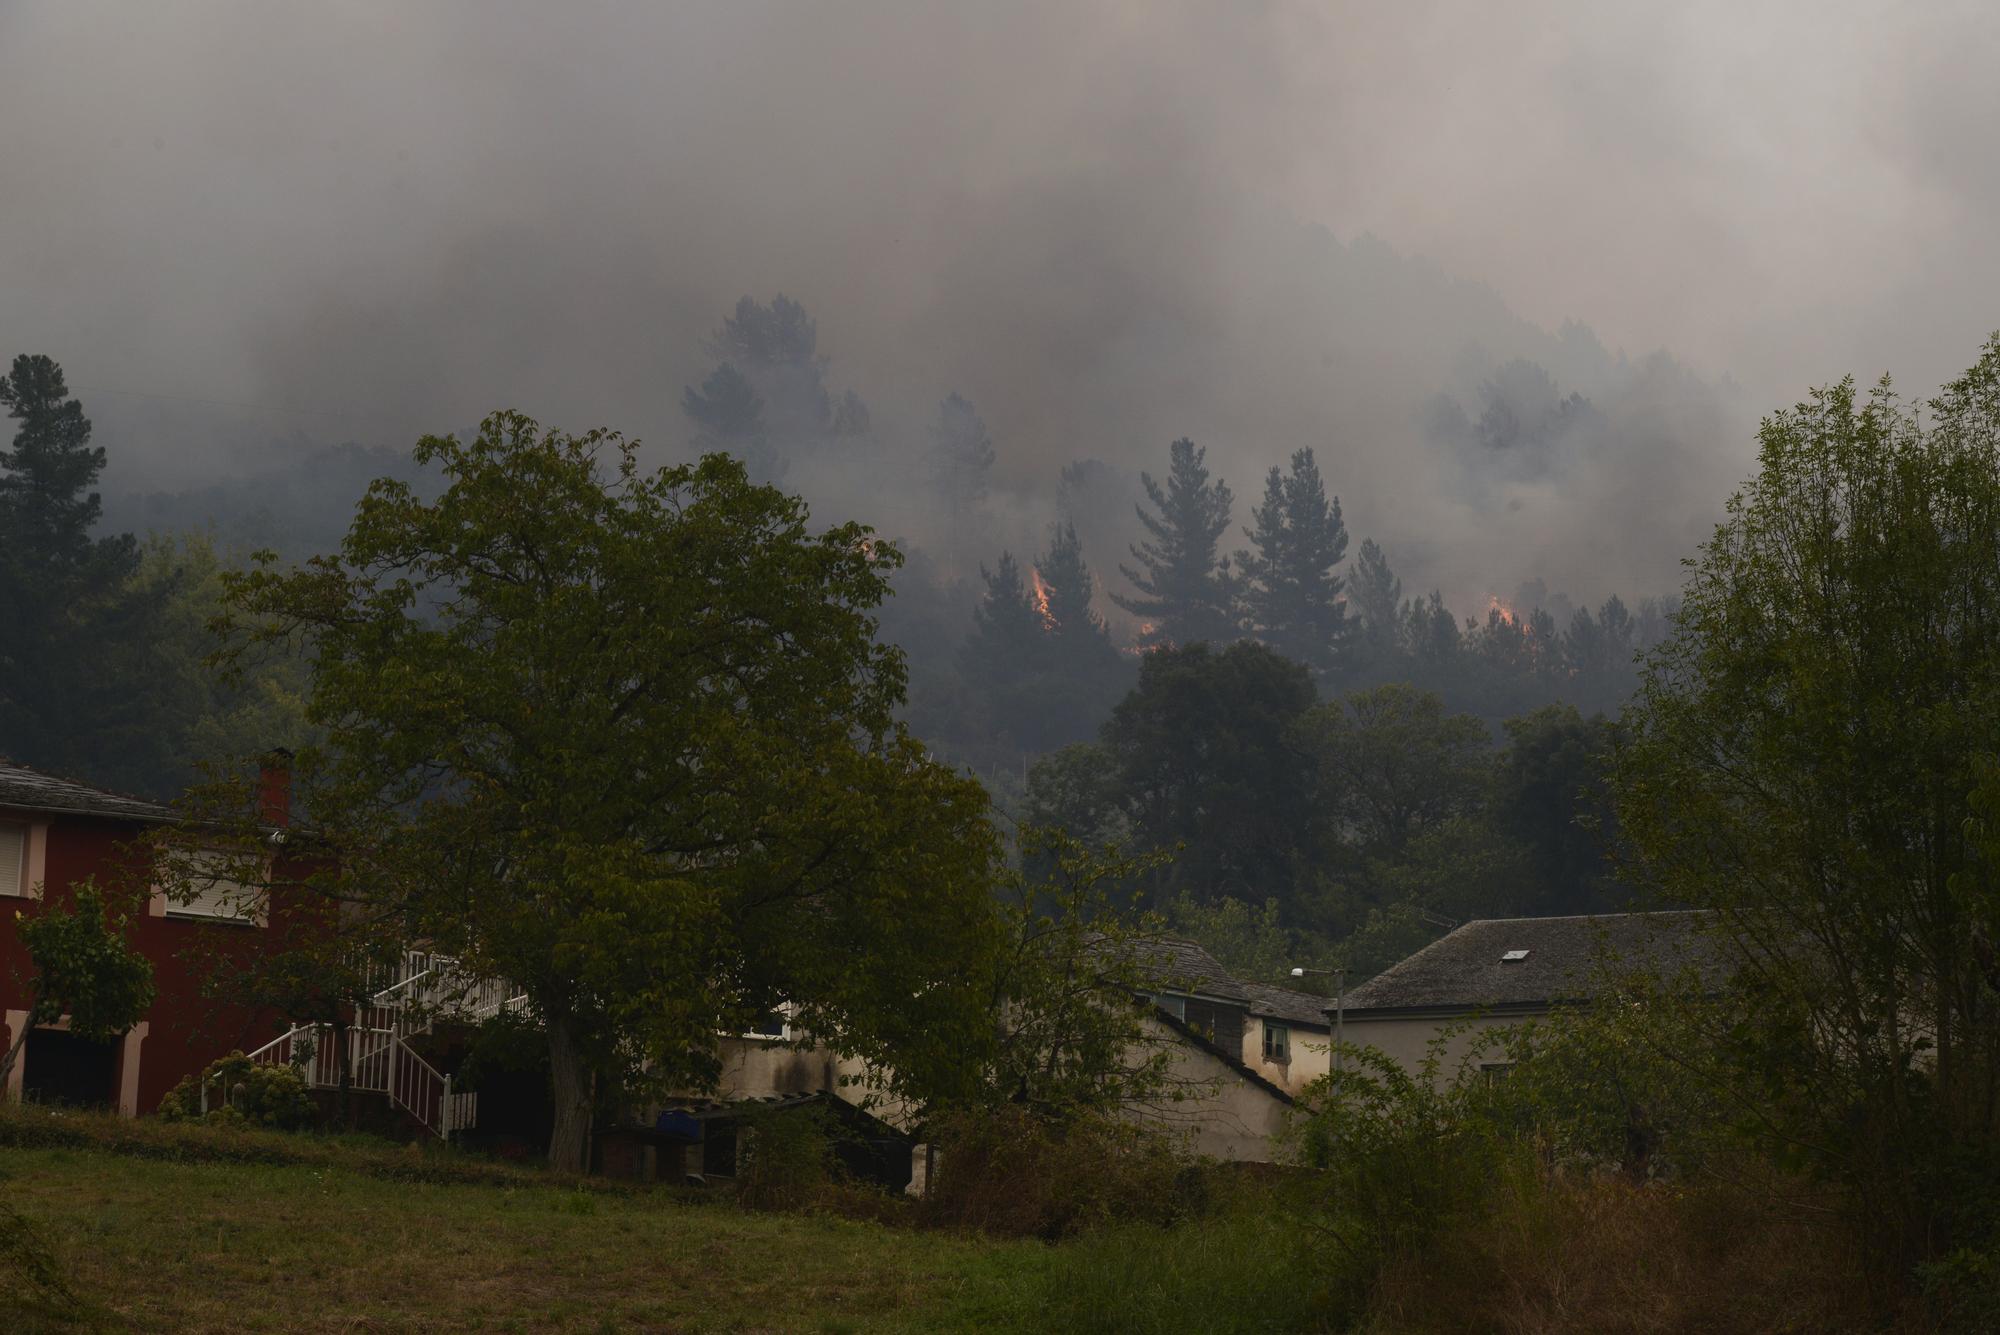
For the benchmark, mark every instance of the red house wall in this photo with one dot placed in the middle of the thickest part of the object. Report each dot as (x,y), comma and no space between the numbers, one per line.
(188,1030)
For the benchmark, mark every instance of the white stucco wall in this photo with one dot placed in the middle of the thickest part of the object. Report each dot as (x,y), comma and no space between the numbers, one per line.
(1311,1051)
(1408,1039)
(755,1068)
(1218,1112)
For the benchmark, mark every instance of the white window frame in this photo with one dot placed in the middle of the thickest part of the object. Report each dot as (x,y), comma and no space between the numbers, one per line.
(249,907)
(783,1010)
(1284,1032)
(23,889)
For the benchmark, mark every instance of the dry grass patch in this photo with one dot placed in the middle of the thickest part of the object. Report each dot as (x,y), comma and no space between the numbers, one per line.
(1607,1255)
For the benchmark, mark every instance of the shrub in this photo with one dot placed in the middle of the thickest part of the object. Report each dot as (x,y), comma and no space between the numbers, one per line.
(788,1159)
(1452,1204)
(1601,1252)
(1404,1158)
(1008,1172)
(241,1091)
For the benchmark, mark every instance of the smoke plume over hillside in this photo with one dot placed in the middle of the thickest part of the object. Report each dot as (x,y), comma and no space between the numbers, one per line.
(1265,227)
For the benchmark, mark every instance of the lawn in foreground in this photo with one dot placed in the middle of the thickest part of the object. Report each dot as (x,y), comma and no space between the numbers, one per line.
(223,1246)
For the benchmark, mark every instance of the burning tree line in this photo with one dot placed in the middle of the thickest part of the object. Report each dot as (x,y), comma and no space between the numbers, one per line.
(1041,668)
(1024,661)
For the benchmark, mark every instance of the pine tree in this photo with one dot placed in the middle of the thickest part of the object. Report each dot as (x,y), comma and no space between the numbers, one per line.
(728,415)
(1186,594)
(74,671)
(1067,585)
(960,459)
(1374,653)
(1292,595)
(1432,638)
(1084,675)
(1004,650)
(1376,592)
(774,350)
(46,503)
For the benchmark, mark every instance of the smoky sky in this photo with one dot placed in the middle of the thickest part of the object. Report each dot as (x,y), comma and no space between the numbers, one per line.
(1107,224)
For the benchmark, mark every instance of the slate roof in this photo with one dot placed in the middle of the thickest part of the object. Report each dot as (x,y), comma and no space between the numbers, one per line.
(1282,1003)
(1180,965)
(1464,970)
(31,790)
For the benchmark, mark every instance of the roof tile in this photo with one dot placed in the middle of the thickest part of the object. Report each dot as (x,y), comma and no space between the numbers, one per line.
(32,790)
(1465,969)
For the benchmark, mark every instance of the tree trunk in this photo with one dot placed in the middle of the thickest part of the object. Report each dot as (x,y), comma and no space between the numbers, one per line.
(13,1052)
(570,1074)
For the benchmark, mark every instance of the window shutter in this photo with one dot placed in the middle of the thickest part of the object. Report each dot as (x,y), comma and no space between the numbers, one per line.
(13,859)
(216,896)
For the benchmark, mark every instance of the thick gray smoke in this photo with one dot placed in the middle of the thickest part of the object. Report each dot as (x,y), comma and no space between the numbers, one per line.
(1106,225)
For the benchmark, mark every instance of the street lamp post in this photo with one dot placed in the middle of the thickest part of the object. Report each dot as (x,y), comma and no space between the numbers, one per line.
(1339,977)
(1339,1037)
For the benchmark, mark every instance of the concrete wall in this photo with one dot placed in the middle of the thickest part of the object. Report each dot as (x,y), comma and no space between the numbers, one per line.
(1311,1052)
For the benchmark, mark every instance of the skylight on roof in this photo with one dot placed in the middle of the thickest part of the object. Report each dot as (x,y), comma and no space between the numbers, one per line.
(1514,957)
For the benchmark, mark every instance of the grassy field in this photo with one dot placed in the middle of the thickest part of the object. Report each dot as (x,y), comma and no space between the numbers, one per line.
(159,1227)
(350,1243)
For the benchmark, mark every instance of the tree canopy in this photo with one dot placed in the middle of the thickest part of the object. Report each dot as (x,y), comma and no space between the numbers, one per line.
(1186,591)
(83,968)
(626,740)
(1804,753)
(76,663)
(1204,751)
(1292,590)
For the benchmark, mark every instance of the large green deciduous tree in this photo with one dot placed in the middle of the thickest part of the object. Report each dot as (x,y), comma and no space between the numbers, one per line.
(626,740)
(1205,754)
(1552,794)
(1802,752)
(1393,764)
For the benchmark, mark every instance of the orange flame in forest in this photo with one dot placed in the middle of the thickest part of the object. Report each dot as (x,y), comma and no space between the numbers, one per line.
(1146,629)
(1506,613)
(1041,599)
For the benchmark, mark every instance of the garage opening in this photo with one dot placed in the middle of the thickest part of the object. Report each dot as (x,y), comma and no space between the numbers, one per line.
(57,1067)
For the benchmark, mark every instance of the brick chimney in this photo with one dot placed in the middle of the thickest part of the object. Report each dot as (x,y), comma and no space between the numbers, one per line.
(274,787)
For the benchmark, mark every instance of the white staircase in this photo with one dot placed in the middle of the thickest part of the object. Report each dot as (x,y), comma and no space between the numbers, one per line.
(423,990)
